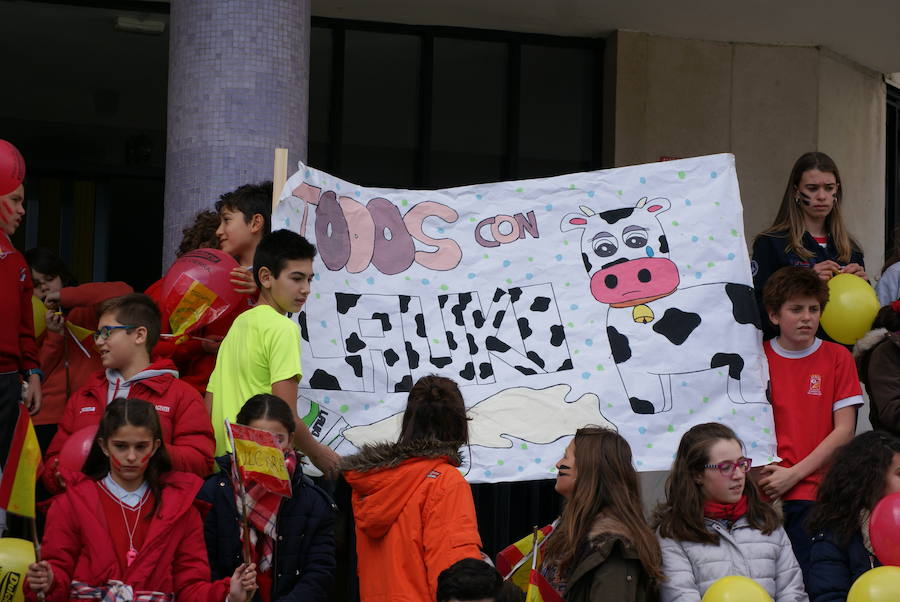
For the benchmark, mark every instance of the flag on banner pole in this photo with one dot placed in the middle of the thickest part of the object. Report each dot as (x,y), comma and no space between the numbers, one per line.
(81,336)
(20,473)
(513,561)
(258,458)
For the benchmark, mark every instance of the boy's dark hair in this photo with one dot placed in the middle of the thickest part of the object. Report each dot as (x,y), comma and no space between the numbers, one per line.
(267,407)
(134,412)
(435,411)
(276,249)
(201,234)
(790,282)
(135,309)
(49,264)
(468,579)
(249,199)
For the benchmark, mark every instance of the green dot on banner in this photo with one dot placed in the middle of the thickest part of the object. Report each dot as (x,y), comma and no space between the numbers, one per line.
(674,223)
(435,341)
(649,446)
(334,341)
(577,351)
(404,202)
(570,325)
(509,281)
(734,232)
(712,238)
(711,264)
(568,284)
(485,255)
(520,189)
(344,408)
(318,296)
(609,405)
(716,203)
(766,431)
(681,175)
(706,400)
(524,446)
(620,192)
(499,462)
(671,429)
(380,401)
(531,259)
(472,219)
(571,186)
(600,368)
(733,412)
(444,287)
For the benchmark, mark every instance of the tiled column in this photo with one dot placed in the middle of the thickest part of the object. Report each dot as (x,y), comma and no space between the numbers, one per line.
(238,88)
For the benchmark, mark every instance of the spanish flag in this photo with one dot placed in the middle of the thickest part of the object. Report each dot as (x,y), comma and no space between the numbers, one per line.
(258,458)
(514,561)
(20,473)
(539,590)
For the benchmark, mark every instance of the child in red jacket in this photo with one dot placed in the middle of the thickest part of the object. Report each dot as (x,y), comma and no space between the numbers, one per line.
(128,329)
(128,528)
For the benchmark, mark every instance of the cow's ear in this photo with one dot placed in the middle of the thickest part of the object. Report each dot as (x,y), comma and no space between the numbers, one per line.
(573,221)
(657,205)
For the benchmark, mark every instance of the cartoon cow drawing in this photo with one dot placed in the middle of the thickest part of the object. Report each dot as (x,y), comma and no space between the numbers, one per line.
(657,329)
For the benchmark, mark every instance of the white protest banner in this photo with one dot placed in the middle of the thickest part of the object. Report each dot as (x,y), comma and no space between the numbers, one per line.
(619,297)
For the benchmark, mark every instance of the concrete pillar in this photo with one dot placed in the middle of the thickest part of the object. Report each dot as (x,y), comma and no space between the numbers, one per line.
(238,88)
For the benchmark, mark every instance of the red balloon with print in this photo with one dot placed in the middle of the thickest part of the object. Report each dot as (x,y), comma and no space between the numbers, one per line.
(884,529)
(12,167)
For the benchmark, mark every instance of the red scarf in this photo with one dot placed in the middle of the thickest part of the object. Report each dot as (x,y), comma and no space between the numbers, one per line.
(730,512)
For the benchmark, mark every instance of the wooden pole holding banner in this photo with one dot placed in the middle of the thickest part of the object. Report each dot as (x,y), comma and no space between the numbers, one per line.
(280,175)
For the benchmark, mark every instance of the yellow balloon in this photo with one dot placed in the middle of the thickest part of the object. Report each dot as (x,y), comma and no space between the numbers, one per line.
(736,589)
(15,556)
(40,316)
(881,584)
(852,305)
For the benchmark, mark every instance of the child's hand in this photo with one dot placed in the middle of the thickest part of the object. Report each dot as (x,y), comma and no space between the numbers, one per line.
(826,269)
(33,395)
(55,322)
(243,281)
(40,576)
(243,583)
(326,460)
(855,269)
(57,476)
(52,300)
(777,480)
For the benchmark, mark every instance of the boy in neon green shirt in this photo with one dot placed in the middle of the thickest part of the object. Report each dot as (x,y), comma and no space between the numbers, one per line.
(261,352)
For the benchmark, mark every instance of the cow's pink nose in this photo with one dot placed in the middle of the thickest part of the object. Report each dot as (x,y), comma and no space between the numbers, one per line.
(631,282)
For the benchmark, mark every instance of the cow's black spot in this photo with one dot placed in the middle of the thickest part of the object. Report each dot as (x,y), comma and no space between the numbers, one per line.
(557,335)
(498,294)
(440,362)
(587,262)
(385,320)
(612,263)
(356,362)
(442,300)
(644,275)
(301,319)
(412,355)
(734,362)
(534,357)
(677,325)
(514,293)
(323,380)
(473,347)
(641,406)
(614,215)
(468,372)
(420,326)
(457,311)
(345,302)
(618,344)
(404,302)
(743,304)
(485,370)
(663,244)
(478,318)
(495,344)
(498,318)
(391,357)
(524,328)
(611,281)
(465,299)
(451,341)
(404,386)
(526,371)
(354,343)
(566,365)
(540,304)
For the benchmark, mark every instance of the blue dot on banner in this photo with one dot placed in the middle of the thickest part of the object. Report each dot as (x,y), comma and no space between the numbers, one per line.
(326,399)
(487,473)
(529,276)
(649,250)
(337,185)
(441,230)
(694,239)
(589,342)
(643,180)
(549,207)
(558,257)
(753,444)
(585,375)
(573,307)
(478,196)
(356,193)
(370,280)
(521,468)
(471,275)
(731,256)
(366,407)
(713,175)
(318,276)
(642,430)
(687,202)
(639,463)
(506,263)
(425,281)
(307,173)
(324,324)
(537,460)
(684,383)
(698,274)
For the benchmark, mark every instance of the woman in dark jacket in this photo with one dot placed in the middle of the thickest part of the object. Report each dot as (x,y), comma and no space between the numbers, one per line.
(301,562)
(602,548)
(863,471)
(877,357)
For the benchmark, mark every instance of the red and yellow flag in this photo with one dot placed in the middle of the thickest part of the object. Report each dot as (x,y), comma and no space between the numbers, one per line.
(539,590)
(258,458)
(20,473)
(514,561)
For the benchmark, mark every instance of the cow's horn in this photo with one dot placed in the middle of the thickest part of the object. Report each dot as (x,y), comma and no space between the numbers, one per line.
(641,202)
(587,210)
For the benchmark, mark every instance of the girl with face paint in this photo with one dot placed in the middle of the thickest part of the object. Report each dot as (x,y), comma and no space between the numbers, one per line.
(127,525)
(809,230)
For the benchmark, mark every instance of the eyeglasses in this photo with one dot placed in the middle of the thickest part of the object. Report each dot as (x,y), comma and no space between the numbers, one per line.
(102,333)
(728,467)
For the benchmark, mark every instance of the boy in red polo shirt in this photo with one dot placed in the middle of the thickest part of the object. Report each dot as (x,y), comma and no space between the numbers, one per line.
(814,392)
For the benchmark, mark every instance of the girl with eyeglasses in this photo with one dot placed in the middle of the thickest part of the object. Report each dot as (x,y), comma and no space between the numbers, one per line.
(863,471)
(713,523)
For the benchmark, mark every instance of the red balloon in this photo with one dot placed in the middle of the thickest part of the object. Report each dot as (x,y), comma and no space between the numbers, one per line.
(196,289)
(12,167)
(884,529)
(75,450)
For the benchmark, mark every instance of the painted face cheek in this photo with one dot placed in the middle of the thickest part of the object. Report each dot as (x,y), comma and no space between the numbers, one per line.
(114,461)
(146,458)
